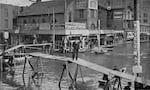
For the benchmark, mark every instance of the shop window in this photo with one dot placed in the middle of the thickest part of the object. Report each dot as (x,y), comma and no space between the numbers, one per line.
(145,15)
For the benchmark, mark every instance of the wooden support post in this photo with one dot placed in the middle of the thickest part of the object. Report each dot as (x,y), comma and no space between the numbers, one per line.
(81,74)
(42,69)
(76,73)
(59,84)
(67,71)
(24,72)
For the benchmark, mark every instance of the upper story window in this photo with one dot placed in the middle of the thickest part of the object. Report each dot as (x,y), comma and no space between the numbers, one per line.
(81,4)
(81,13)
(145,21)
(6,12)
(43,20)
(145,15)
(93,13)
(24,22)
(70,17)
(33,21)
(6,23)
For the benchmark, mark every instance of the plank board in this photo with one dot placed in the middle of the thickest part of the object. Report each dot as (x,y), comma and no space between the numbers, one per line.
(31,45)
(93,66)
(25,46)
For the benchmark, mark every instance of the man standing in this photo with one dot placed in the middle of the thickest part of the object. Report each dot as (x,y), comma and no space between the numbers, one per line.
(75,50)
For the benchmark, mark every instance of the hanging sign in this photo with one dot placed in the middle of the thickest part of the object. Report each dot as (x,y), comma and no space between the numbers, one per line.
(6,34)
(93,4)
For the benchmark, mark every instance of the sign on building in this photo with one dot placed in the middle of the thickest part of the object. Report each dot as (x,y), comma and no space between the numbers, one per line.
(44,26)
(93,4)
(73,25)
(118,15)
(81,4)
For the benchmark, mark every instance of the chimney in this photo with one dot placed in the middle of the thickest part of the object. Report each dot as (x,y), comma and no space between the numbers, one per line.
(38,1)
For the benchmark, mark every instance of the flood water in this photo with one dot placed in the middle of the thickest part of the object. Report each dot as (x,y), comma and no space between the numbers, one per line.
(122,56)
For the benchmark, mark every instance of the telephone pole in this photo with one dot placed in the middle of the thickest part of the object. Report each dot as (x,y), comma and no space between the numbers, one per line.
(137,68)
(53,28)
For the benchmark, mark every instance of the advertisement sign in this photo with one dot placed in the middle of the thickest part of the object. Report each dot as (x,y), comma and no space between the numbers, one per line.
(93,4)
(81,4)
(137,69)
(31,26)
(44,26)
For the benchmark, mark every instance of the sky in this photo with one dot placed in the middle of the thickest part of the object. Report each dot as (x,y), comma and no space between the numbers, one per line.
(18,2)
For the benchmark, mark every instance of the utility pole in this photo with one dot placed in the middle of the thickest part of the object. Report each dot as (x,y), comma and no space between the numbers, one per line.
(98,34)
(65,14)
(53,29)
(137,68)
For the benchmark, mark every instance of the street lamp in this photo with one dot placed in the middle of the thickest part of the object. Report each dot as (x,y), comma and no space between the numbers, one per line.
(108,6)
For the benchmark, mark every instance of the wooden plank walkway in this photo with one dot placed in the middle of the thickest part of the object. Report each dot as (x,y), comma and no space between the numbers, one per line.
(84,63)
(93,66)
(25,46)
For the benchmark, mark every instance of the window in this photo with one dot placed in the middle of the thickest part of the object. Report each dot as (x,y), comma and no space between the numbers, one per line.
(93,26)
(43,20)
(145,15)
(93,13)
(24,22)
(145,21)
(6,23)
(81,13)
(69,16)
(6,12)
(33,21)
(81,4)
(54,21)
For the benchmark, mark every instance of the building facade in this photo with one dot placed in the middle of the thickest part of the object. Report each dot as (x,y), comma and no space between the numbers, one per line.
(121,16)
(70,18)
(7,15)
(64,18)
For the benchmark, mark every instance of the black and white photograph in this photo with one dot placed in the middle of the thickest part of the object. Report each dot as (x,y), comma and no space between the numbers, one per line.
(74,44)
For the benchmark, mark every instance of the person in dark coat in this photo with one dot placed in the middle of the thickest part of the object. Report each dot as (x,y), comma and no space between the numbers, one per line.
(128,87)
(75,50)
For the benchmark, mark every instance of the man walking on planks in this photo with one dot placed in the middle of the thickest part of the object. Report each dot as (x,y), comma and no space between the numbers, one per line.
(75,50)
